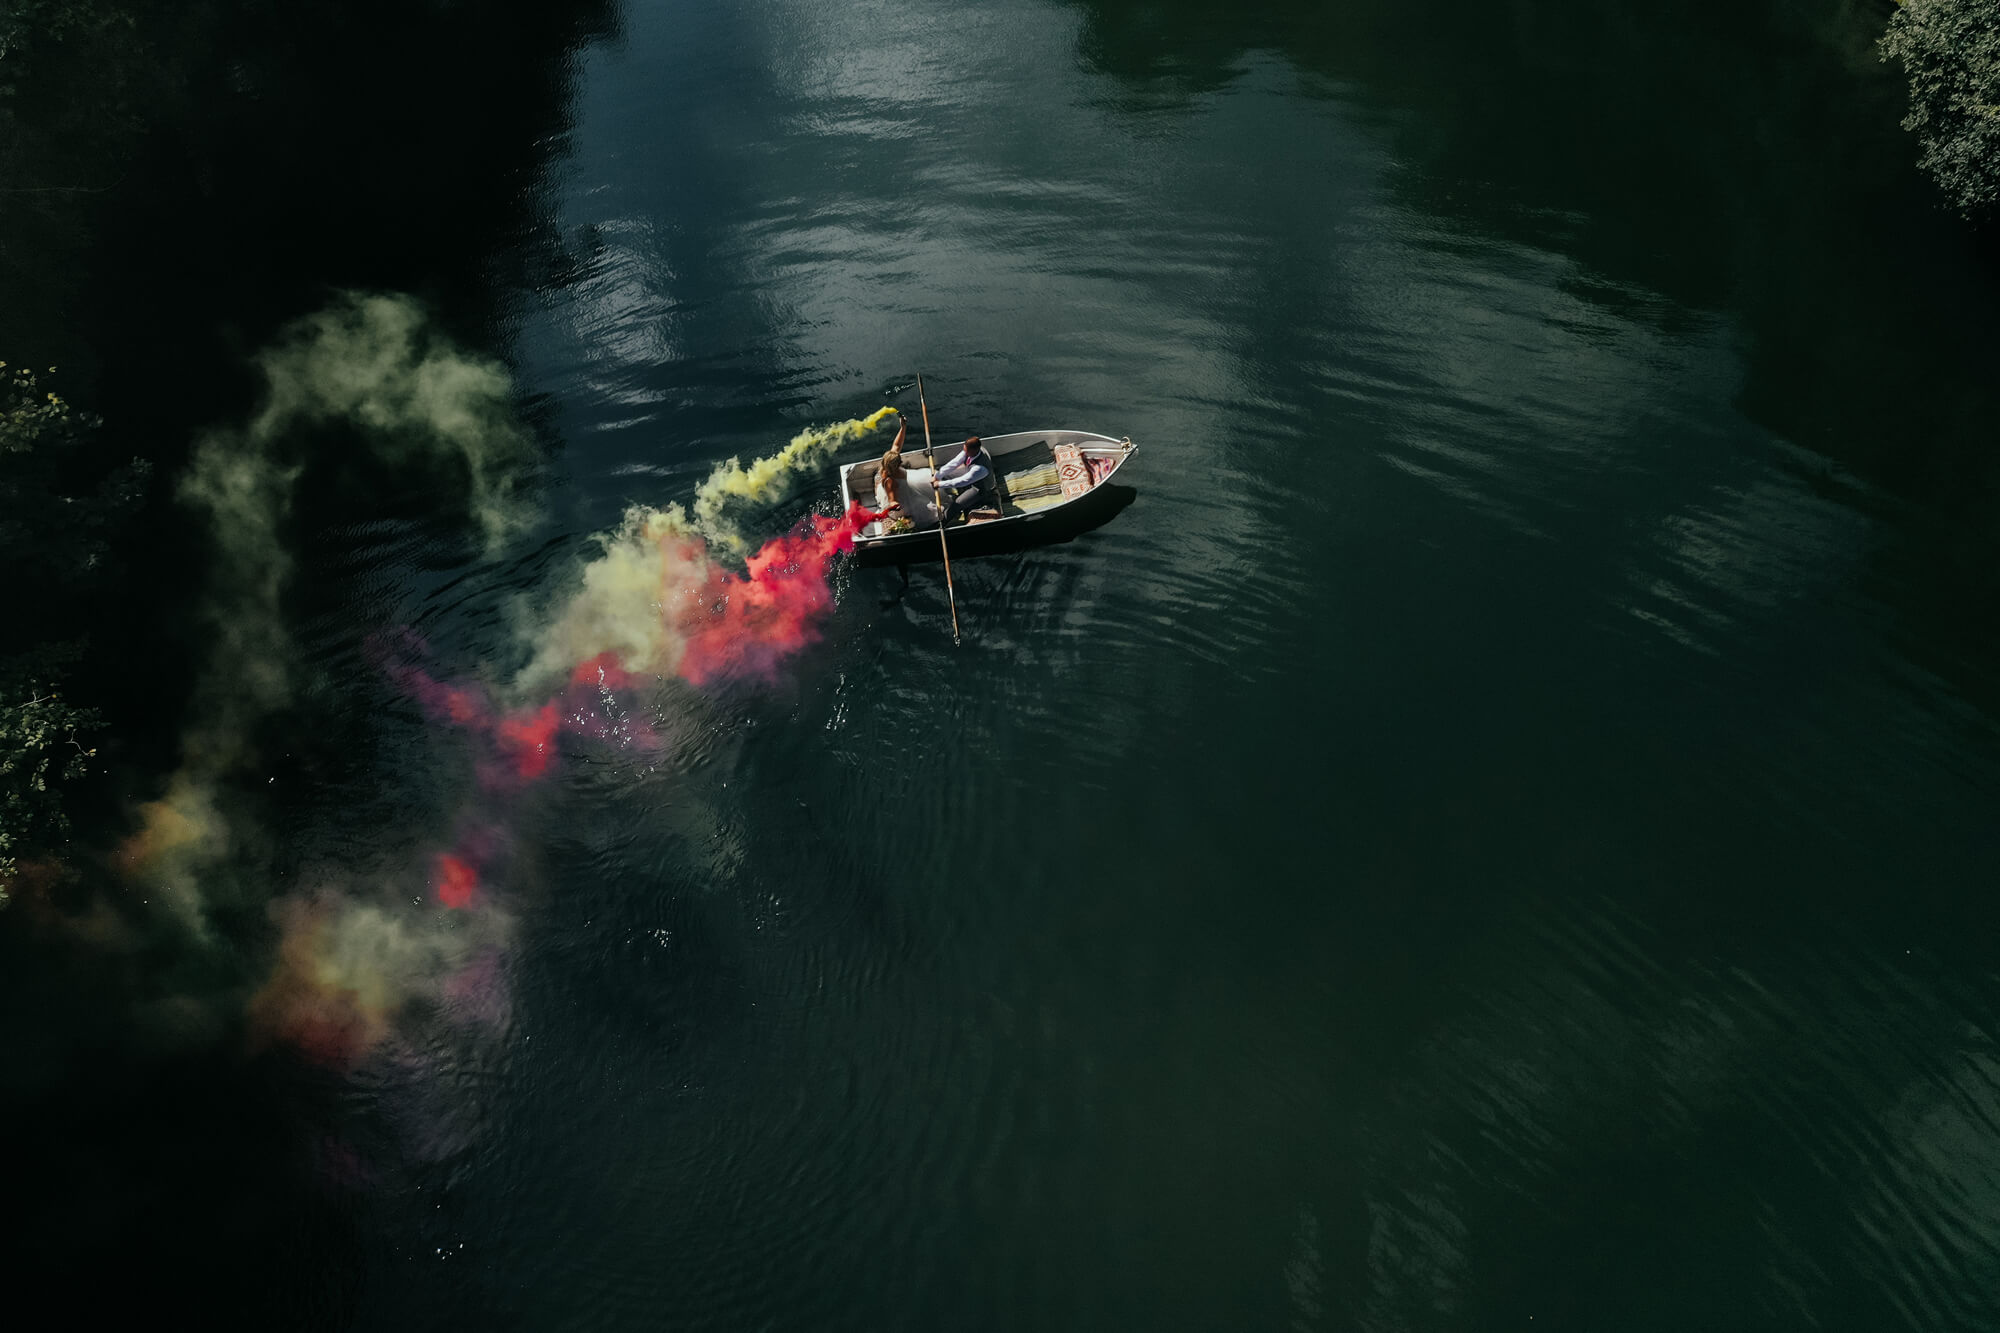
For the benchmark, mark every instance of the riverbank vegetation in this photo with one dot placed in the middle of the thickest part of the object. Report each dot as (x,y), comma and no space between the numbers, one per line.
(1950,51)
(57,507)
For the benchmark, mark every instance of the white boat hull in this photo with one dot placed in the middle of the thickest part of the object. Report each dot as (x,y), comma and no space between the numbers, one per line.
(1042,477)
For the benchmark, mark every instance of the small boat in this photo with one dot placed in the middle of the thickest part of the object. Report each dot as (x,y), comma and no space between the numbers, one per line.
(1043,479)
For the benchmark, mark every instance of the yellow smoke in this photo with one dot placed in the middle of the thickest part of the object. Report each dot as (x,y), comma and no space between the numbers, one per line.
(764,478)
(370,361)
(347,967)
(620,606)
(181,837)
(657,557)
(375,361)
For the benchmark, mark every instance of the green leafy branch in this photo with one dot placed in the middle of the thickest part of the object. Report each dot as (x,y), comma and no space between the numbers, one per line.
(1950,51)
(41,747)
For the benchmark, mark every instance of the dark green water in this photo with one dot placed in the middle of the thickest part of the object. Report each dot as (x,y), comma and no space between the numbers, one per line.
(1498,834)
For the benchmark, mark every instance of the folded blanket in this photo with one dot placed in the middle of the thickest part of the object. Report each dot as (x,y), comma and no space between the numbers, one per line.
(1035,487)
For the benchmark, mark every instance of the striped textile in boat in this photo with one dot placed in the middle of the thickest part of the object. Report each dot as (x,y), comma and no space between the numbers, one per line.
(1032,483)
(1035,488)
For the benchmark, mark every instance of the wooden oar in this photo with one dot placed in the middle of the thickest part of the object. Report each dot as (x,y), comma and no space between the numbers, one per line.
(937,507)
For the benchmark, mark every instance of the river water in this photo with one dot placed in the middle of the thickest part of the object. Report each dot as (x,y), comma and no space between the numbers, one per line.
(1496,833)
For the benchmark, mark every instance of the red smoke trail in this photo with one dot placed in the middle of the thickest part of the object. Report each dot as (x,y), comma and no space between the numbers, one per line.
(746,624)
(455,881)
(730,625)
(330,996)
(526,739)
(523,739)
(603,670)
(458,876)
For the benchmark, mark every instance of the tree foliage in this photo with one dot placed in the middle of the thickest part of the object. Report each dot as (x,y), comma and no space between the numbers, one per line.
(41,748)
(1950,50)
(52,542)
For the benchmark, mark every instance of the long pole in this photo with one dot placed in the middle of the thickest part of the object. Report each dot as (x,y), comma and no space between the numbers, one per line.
(937,507)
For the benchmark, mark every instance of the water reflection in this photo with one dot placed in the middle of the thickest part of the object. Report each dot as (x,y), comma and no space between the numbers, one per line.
(1387,875)
(1439,856)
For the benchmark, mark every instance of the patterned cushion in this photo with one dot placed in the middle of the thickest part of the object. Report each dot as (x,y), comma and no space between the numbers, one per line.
(1073,471)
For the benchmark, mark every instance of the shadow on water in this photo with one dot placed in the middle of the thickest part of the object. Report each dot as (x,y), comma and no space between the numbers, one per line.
(1666,1080)
(982,539)
(1750,173)
(242,163)
(1754,167)
(263,155)
(187,1183)
(246,162)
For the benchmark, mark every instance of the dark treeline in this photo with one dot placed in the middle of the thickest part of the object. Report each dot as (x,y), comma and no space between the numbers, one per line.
(178,182)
